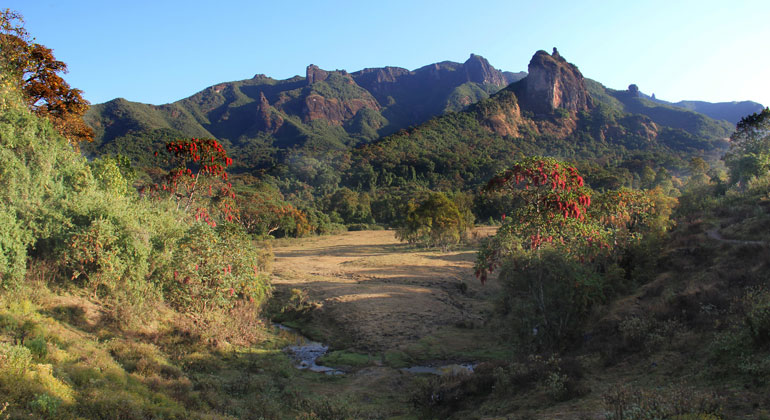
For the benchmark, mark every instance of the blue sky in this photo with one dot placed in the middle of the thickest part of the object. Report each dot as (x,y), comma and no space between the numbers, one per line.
(160,51)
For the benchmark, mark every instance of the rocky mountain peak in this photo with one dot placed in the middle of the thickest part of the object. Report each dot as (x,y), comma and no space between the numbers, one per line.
(478,70)
(315,74)
(553,83)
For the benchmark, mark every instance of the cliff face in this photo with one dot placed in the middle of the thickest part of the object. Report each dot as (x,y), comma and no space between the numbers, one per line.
(314,74)
(333,110)
(553,83)
(334,96)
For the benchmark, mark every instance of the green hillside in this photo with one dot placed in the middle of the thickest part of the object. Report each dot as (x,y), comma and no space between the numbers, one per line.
(463,149)
(693,122)
(329,110)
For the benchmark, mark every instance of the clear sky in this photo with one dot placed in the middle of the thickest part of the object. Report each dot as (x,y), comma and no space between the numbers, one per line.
(159,51)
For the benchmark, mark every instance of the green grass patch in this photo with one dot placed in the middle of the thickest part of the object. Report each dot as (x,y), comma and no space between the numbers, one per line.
(344,358)
(397,359)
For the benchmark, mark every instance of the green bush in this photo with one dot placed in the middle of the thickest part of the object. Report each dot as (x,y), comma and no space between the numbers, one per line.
(38,347)
(117,247)
(213,270)
(14,359)
(437,221)
(45,405)
(14,240)
(757,309)
(549,295)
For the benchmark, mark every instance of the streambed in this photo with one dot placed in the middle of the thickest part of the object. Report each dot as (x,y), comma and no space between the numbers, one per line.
(306,352)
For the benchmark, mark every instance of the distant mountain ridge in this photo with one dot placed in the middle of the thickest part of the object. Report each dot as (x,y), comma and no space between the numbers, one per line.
(328,109)
(731,112)
(553,111)
(267,122)
(728,111)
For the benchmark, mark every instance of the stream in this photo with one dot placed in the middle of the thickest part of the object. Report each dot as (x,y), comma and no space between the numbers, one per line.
(306,352)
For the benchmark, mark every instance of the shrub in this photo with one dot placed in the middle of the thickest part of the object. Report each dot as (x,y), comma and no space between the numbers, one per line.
(757,302)
(45,405)
(114,246)
(38,346)
(213,270)
(13,249)
(15,359)
(677,402)
(549,295)
(108,174)
(646,333)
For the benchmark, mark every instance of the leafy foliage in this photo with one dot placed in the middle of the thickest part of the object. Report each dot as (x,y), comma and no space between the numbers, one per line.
(560,252)
(100,235)
(191,159)
(749,154)
(37,72)
(436,221)
(213,270)
(264,212)
(552,205)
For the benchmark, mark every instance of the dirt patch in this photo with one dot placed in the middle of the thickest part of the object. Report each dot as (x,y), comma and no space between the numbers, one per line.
(380,293)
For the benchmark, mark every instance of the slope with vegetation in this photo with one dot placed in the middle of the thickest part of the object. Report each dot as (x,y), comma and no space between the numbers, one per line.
(668,322)
(121,304)
(322,112)
(581,121)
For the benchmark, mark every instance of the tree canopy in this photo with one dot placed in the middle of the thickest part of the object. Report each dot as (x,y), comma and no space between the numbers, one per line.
(749,154)
(38,75)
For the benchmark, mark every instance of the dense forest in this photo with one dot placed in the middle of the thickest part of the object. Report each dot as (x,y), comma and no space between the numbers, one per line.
(624,276)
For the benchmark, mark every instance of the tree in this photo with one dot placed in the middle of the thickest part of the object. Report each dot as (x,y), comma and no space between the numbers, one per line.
(437,221)
(349,206)
(749,153)
(552,203)
(560,251)
(199,171)
(264,212)
(37,74)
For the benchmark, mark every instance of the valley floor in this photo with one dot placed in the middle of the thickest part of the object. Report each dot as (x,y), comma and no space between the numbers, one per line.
(382,294)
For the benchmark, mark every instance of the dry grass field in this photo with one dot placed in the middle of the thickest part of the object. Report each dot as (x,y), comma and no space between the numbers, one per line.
(381,294)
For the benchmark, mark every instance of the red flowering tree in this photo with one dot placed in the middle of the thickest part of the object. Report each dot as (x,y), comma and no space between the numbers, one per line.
(199,174)
(557,248)
(211,268)
(553,204)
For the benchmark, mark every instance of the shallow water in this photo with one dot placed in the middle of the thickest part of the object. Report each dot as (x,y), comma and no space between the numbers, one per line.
(305,353)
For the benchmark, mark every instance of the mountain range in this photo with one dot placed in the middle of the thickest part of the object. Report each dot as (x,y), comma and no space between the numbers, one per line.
(553,111)
(332,109)
(263,120)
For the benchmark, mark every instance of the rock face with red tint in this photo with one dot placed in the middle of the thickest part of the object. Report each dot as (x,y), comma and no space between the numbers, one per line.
(553,83)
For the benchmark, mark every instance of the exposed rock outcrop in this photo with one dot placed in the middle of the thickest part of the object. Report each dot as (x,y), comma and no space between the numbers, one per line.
(267,118)
(337,102)
(478,70)
(374,76)
(315,74)
(552,83)
(333,110)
